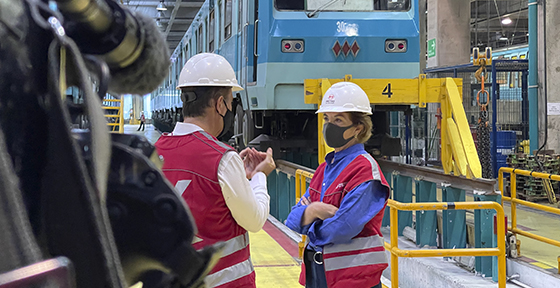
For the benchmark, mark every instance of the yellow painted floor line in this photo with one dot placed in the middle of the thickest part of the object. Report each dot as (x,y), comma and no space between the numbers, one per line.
(542,265)
(274,267)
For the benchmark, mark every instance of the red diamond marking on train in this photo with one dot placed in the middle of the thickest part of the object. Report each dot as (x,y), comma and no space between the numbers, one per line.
(336,49)
(355,48)
(345,48)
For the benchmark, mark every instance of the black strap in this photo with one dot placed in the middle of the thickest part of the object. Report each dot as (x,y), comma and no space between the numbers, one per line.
(76,223)
(18,246)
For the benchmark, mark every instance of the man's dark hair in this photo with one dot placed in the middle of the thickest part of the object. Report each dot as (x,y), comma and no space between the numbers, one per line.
(197,99)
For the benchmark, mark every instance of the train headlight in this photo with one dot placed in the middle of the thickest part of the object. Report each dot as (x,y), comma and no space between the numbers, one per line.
(395,46)
(292,46)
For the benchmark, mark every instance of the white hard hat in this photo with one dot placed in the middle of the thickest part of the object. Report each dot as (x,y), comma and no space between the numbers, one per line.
(345,97)
(208,69)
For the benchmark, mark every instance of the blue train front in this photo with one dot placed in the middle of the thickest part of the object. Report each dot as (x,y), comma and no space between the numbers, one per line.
(298,40)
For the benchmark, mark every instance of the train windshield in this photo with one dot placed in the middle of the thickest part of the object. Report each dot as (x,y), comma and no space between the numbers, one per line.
(343,5)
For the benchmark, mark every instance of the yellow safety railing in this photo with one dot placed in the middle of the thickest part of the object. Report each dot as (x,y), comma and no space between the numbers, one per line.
(393,247)
(515,201)
(301,187)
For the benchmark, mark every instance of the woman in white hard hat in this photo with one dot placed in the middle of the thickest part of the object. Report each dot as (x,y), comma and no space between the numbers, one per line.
(342,210)
(211,176)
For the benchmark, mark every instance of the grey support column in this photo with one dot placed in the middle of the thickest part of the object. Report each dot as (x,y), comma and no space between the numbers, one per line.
(553,73)
(448,32)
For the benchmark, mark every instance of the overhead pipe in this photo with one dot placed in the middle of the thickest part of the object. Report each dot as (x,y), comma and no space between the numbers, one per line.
(533,76)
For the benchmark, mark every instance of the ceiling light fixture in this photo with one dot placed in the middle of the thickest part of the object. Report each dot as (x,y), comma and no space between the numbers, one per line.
(160,14)
(159,24)
(506,21)
(161,6)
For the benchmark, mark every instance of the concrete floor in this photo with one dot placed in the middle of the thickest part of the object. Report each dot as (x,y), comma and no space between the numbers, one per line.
(149,132)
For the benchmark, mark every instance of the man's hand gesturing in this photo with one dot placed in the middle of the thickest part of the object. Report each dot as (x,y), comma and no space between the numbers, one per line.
(256,161)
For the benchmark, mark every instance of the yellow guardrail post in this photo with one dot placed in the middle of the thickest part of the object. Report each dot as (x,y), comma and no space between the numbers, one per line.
(301,244)
(513,191)
(501,185)
(500,251)
(394,243)
(121,117)
(300,184)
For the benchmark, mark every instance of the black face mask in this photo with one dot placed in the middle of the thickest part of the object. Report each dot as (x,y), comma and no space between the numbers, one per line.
(334,135)
(228,122)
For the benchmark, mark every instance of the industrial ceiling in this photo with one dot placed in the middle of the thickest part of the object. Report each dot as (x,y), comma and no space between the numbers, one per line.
(499,23)
(174,21)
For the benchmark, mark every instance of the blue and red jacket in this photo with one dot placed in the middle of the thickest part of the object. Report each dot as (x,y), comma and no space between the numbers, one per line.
(351,241)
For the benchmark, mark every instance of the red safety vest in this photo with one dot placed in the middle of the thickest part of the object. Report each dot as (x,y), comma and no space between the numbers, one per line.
(359,263)
(191,164)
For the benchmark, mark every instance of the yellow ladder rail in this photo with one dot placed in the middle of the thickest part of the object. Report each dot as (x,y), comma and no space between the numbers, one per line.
(115,125)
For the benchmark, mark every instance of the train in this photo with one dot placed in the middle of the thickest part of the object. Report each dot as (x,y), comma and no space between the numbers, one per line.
(275,45)
(518,52)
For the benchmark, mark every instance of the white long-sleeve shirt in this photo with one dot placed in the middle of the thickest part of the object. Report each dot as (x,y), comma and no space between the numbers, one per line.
(248,201)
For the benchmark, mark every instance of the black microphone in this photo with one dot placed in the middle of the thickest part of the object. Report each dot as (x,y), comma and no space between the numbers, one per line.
(129,42)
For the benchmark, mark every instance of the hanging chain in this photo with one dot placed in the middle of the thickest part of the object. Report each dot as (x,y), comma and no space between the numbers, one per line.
(483,129)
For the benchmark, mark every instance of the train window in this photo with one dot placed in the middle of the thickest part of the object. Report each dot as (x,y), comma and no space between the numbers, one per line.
(297,5)
(392,5)
(227,24)
(220,22)
(522,56)
(211,32)
(347,5)
(512,76)
(193,48)
(240,15)
(199,39)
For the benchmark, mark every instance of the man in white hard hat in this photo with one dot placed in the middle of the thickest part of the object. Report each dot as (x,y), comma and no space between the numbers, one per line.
(342,210)
(211,177)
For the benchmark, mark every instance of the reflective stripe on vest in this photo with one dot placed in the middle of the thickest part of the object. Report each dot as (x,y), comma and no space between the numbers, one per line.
(235,244)
(374,167)
(233,272)
(357,259)
(229,274)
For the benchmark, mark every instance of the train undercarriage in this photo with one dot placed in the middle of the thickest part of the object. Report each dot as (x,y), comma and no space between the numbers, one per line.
(287,131)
